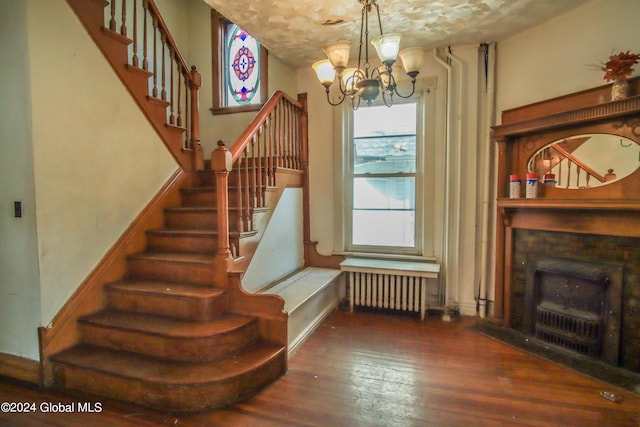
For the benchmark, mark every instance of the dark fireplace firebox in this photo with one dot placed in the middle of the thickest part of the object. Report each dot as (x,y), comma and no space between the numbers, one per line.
(574,306)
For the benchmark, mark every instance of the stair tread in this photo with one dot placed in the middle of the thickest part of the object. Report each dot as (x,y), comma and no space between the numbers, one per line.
(153,370)
(174,256)
(184,231)
(165,288)
(167,326)
(191,208)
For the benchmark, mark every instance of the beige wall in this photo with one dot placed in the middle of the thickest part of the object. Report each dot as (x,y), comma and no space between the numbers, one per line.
(19,270)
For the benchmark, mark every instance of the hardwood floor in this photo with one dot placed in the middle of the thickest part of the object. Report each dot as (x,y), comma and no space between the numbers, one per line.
(371,369)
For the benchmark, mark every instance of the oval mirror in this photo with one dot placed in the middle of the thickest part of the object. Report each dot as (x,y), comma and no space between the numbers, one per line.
(585,161)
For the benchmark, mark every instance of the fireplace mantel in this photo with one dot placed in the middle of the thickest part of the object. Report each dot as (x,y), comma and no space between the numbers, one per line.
(607,210)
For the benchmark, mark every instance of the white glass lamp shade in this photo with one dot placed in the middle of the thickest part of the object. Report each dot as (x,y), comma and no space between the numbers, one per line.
(325,72)
(412,58)
(350,78)
(387,47)
(338,54)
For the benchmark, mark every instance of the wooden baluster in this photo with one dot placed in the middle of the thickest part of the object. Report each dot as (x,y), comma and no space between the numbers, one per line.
(172,64)
(568,173)
(259,189)
(145,12)
(246,213)
(112,21)
(254,178)
(294,137)
(270,165)
(578,170)
(588,179)
(296,133)
(281,138)
(134,59)
(179,99)
(283,132)
(154,92)
(261,165)
(303,124)
(163,39)
(123,27)
(287,139)
(239,196)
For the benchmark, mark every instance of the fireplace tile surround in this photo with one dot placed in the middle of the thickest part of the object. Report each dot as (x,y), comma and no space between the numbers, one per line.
(573,246)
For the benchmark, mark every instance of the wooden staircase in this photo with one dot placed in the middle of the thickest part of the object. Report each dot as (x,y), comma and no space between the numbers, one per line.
(163,321)
(167,338)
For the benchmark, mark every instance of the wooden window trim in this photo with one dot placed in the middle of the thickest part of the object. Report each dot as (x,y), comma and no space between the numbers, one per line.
(217,55)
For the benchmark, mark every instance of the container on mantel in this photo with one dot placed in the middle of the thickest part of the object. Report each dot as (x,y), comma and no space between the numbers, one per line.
(514,186)
(531,186)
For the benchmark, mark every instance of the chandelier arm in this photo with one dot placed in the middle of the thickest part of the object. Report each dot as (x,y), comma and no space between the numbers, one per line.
(355,106)
(334,104)
(413,90)
(384,98)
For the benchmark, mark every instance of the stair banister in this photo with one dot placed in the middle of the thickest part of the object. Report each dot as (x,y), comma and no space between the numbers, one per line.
(275,138)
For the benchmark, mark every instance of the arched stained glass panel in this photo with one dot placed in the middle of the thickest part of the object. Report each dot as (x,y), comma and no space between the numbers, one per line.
(242,59)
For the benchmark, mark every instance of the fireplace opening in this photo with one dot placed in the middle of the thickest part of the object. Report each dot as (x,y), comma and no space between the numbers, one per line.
(574,306)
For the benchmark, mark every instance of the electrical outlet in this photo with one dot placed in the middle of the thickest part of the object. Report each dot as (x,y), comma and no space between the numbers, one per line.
(17,209)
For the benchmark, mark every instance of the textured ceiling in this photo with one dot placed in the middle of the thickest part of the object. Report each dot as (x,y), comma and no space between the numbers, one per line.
(293,29)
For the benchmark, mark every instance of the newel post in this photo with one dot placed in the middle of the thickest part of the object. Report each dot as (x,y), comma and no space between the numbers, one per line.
(221,164)
(195,82)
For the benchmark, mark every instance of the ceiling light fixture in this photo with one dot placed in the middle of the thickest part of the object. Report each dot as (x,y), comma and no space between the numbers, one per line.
(364,83)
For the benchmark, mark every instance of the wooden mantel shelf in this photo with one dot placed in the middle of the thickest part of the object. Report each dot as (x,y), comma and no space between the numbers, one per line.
(589,114)
(573,204)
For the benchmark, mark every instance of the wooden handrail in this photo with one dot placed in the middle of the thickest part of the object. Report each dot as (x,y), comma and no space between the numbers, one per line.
(275,138)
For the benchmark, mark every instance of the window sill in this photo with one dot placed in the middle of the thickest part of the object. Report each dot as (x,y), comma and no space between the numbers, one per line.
(390,257)
(238,109)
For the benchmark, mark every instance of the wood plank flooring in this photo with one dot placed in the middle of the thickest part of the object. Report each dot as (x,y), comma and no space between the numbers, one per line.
(372,369)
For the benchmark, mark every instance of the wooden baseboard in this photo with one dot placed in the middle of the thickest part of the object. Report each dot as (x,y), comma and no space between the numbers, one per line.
(19,368)
(63,331)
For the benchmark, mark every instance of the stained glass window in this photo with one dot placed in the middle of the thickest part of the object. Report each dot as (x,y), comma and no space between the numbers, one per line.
(240,72)
(242,67)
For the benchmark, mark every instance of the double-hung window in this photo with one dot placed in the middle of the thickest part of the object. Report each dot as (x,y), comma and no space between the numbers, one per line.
(384,173)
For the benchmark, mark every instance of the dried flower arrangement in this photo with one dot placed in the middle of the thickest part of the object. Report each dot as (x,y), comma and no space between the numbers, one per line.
(620,65)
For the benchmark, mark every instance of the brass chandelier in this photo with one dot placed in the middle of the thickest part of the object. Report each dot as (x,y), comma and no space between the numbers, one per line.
(366,83)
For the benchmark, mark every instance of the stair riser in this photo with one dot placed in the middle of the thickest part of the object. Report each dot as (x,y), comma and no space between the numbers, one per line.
(168,397)
(202,349)
(191,220)
(196,220)
(171,271)
(184,244)
(197,309)
(207,198)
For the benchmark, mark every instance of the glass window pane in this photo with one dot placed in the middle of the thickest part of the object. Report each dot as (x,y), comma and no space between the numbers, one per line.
(384,211)
(385,139)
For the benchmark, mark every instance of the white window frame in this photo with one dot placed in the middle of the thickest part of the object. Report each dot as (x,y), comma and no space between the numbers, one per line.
(343,179)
